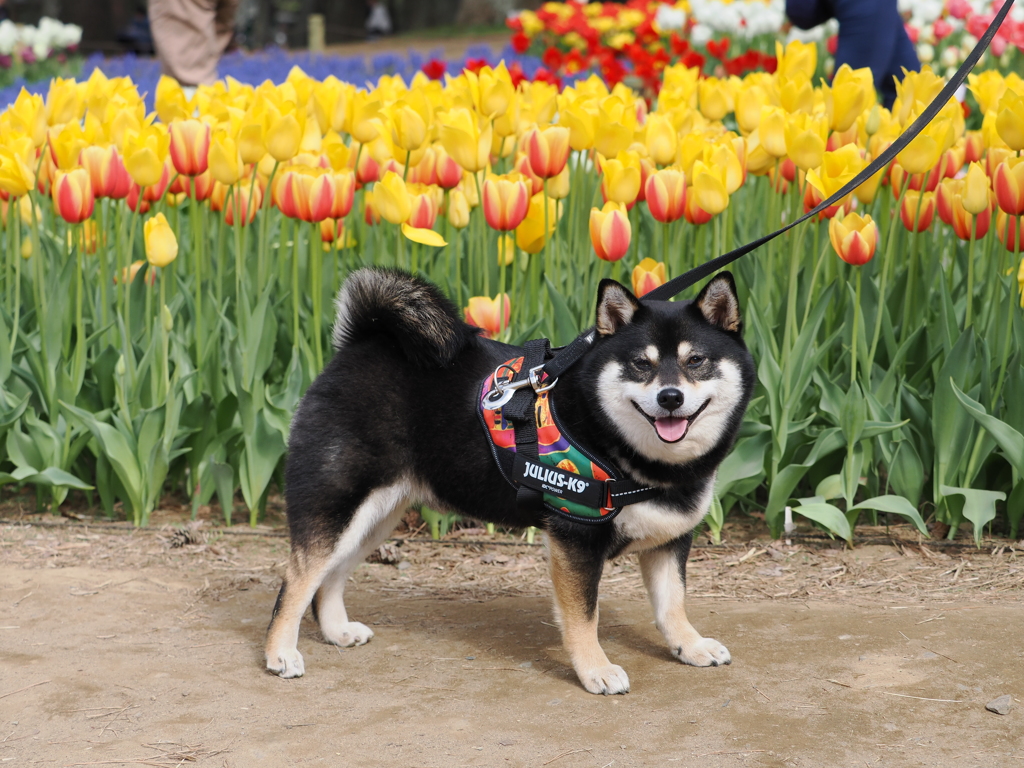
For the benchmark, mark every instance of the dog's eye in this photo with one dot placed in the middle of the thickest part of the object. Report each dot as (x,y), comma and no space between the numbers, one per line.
(642,364)
(696,361)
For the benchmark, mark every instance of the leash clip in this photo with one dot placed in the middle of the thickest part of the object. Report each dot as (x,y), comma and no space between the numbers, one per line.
(504,390)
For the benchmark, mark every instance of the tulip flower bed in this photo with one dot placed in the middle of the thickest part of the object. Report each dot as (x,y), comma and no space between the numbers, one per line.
(634,41)
(168,280)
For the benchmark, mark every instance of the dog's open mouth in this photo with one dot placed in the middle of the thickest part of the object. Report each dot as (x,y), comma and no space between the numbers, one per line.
(671,429)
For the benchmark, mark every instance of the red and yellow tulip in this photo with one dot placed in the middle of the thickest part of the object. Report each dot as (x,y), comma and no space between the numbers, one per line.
(610,231)
(854,238)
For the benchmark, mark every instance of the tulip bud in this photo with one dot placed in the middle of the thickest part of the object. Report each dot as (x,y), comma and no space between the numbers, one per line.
(505,202)
(190,146)
(854,238)
(548,150)
(621,182)
(874,121)
(666,195)
(506,250)
(918,210)
(557,187)
(72,195)
(119,367)
(1008,182)
(458,209)
(975,196)
(490,314)
(161,244)
(26,248)
(167,320)
(283,138)
(391,200)
(648,275)
(1008,231)
(1010,119)
(610,231)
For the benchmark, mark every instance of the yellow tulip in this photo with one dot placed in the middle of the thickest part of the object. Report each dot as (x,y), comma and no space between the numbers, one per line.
(1010,119)
(661,139)
(251,140)
(458,209)
(796,58)
(16,177)
(364,126)
(161,244)
(466,138)
(796,93)
(805,140)
(976,198)
(391,199)
(852,92)
(530,234)
(748,102)
(506,250)
(66,145)
(621,183)
(496,90)
(64,103)
(709,187)
(616,123)
(582,125)
(28,116)
(725,156)
(170,101)
(923,152)
(836,169)
(225,159)
(557,187)
(144,155)
(716,98)
(408,129)
(284,135)
(772,131)
(988,88)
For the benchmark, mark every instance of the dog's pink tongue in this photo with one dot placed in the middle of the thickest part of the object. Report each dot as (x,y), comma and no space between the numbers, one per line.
(671,428)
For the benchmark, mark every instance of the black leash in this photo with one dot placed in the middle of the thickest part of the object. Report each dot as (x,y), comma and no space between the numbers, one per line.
(569,354)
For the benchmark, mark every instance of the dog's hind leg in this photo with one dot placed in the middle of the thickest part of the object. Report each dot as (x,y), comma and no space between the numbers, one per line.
(664,572)
(575,575)
(325,569)
(377,517)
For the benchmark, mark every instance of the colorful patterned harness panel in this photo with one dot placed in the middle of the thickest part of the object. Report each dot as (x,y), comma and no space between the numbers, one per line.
(553,449)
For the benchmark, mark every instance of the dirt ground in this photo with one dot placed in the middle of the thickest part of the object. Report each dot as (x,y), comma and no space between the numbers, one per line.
(118,648)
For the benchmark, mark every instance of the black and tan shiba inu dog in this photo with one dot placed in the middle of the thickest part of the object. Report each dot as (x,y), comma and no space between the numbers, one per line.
(393,421)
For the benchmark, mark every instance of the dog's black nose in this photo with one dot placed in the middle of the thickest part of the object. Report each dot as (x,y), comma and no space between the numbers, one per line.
(670,398)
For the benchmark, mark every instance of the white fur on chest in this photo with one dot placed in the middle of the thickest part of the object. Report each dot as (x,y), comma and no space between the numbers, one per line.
(649,525)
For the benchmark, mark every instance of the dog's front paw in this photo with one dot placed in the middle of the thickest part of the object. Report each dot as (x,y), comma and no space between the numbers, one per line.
(346,634)
(606,680)
(286,664)
(706,652)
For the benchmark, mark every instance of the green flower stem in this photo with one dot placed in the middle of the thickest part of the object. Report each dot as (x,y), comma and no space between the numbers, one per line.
(886,268)
(856,327)
(1010,309)
(15,225)
(261,248)
(908,303)
(296,328)
(316,263)
(968,317)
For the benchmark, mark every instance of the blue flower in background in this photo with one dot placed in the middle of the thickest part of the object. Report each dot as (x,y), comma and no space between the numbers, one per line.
(274,64)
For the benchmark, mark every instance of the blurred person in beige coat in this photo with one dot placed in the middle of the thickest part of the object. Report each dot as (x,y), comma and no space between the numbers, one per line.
(190,36)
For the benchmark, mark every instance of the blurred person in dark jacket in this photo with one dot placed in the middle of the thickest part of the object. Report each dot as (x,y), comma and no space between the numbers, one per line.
(871,34)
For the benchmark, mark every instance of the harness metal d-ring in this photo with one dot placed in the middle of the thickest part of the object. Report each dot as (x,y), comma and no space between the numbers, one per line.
(536,383)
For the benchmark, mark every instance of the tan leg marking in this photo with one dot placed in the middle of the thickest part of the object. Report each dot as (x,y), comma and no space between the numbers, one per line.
(579,631)
(660,568)
(304,575)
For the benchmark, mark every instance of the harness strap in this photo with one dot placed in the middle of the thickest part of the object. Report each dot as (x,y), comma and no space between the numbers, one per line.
(569,354)
(606,493)
(520,411)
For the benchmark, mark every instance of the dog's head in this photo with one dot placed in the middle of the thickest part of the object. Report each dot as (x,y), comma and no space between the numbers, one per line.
(672,379)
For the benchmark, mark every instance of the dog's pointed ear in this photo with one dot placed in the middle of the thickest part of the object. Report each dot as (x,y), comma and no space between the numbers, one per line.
(719,304)
(615,307)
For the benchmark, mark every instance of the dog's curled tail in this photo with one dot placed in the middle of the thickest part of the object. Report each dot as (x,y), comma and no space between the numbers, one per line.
(413,312)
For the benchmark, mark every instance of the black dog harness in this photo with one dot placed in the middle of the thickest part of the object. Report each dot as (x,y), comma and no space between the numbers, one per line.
(534,451)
